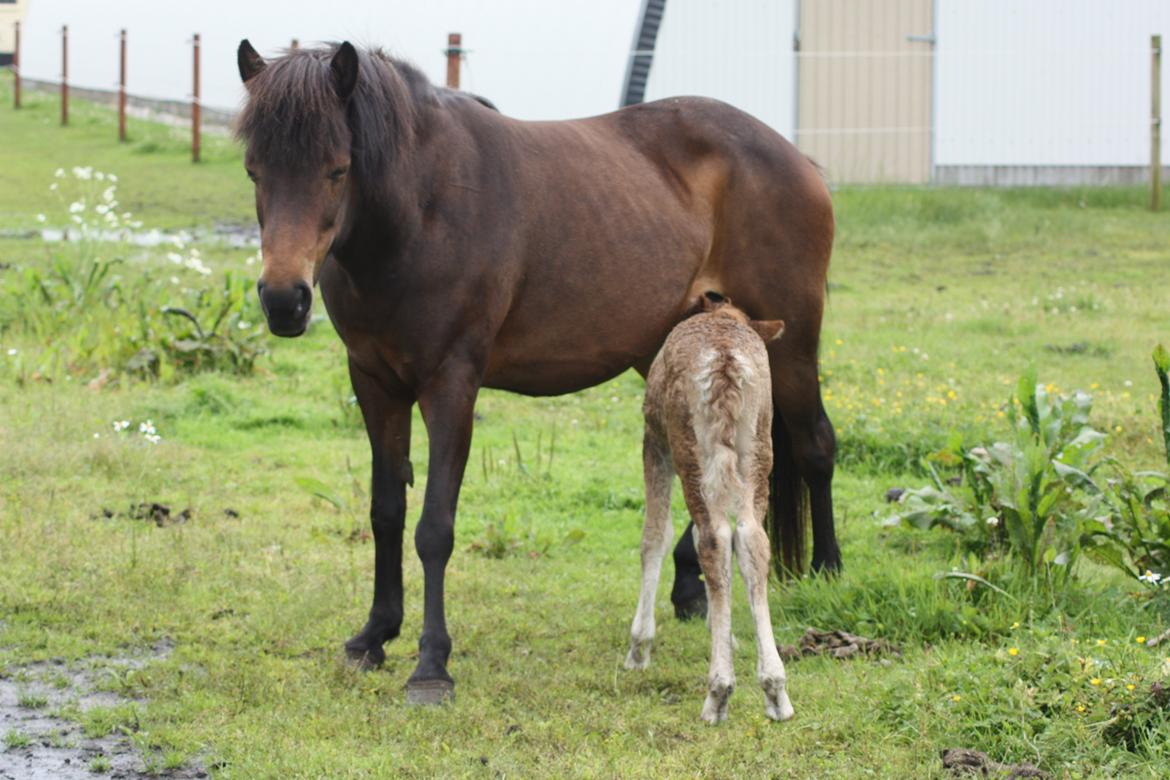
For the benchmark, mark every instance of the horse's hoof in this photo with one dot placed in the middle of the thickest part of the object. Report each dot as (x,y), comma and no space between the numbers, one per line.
(695,608)
(427,693)
(363,655)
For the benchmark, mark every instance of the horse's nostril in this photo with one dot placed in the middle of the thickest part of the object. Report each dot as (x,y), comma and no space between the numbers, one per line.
(304,295)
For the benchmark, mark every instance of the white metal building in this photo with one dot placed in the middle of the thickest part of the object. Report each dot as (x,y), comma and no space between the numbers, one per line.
(11,11)
(950,91)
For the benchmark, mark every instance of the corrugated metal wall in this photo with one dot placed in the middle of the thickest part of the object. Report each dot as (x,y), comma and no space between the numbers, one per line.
(1037,91)
(739,51)
(1014,92)
(865,88)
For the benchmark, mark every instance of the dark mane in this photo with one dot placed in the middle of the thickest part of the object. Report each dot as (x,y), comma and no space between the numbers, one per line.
(293,116)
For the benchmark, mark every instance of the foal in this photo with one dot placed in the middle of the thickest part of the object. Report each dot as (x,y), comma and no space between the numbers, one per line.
(708,415)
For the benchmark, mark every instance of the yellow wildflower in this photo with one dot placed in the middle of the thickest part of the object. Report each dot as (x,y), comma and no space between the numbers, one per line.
(1013,651)
(1080,708)
(1015,625)
(1141,640)
(956,697)
(1101,642)
(1130,686)
(1095,681)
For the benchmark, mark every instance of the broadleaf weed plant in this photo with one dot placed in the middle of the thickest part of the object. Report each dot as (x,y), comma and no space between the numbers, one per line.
(96,313)
(1027,498)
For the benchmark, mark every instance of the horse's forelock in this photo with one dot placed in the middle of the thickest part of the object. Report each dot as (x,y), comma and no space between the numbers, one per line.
(294,117)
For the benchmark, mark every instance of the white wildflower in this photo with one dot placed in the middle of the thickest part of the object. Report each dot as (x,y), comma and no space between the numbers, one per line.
(99,176)
(174,280)
(60,173)
(83,173)
(1152,577)
(153,438)
(97,435)
(53,187)
(121,425)
(108,194)
(41,218)
(12,352)
(111,177)
(102,209)
(244,325)
(146,428)
(77,206)
(992,521)
(175,258)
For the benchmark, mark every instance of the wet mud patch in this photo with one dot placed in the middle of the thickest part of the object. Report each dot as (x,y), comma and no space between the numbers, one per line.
(46,707)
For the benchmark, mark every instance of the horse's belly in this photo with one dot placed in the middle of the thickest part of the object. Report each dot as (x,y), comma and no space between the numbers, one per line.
(552,376)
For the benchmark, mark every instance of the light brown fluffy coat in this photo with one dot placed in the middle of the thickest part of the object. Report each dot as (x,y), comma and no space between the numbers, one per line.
(708,417)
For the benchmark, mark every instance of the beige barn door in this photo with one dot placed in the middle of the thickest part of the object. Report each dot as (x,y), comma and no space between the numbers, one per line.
(865,69)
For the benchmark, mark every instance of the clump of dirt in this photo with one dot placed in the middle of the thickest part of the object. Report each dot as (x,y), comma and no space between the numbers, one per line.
(965,763)
(838,644)
(39,744)
(152,511)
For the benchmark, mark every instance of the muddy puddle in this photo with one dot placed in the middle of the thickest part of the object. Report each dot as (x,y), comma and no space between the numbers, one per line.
(38,743)
(223,235)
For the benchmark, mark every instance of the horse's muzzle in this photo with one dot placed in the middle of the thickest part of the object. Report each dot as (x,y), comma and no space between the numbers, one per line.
(286,308)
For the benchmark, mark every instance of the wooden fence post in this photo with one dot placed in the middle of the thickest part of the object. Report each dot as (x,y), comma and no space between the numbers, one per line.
(196,108)
(16,65)
(122,87)
(296,44)
(454,53)
(1155,122)
(65,75)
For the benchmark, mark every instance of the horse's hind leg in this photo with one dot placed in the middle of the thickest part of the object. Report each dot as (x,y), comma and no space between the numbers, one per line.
(805,448)
(656,532)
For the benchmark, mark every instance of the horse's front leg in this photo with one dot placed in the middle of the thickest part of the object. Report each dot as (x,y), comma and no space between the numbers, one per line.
(447,403)
(386,411)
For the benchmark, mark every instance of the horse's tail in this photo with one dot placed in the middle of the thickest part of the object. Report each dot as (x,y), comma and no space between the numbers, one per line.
(721,383)
(788,516)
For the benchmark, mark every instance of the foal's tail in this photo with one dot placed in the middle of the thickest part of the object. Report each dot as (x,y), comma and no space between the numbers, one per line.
(721,399)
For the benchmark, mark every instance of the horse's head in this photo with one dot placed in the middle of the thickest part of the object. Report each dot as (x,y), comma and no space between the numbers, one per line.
(298,154)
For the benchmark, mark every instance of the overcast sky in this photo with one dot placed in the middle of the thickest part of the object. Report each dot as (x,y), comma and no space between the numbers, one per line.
(536,59)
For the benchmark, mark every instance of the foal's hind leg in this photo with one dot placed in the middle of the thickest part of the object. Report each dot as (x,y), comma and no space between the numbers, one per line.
(714,548)
(753,552)
(656,533)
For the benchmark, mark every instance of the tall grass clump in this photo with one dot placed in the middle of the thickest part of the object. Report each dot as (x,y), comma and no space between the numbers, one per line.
(97,312)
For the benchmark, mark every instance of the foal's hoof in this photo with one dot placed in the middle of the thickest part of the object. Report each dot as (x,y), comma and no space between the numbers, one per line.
(363,654)
(426,693)
(695,608)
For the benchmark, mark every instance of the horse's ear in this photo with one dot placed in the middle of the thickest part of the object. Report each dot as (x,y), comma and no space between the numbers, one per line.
(344,68)
(769,330)
(250,62)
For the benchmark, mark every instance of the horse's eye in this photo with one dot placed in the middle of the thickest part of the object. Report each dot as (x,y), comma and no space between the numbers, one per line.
(337,174)
(252,174)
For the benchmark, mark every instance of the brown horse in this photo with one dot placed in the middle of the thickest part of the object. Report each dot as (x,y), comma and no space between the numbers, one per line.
(457,248)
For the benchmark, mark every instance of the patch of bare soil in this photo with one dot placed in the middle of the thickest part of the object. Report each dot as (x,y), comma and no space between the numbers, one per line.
(38,744)
(962,762)
(838,644)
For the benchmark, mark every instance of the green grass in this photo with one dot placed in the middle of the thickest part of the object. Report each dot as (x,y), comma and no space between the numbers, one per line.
(940,299)
(160,184)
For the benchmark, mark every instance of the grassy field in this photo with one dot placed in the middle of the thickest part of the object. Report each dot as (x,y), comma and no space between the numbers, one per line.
(939,300)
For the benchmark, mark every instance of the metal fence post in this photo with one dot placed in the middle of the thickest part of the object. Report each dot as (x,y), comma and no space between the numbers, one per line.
(65,75)
(454,52)
(1155,122)
(122,87)
(196,108)
(16,65)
